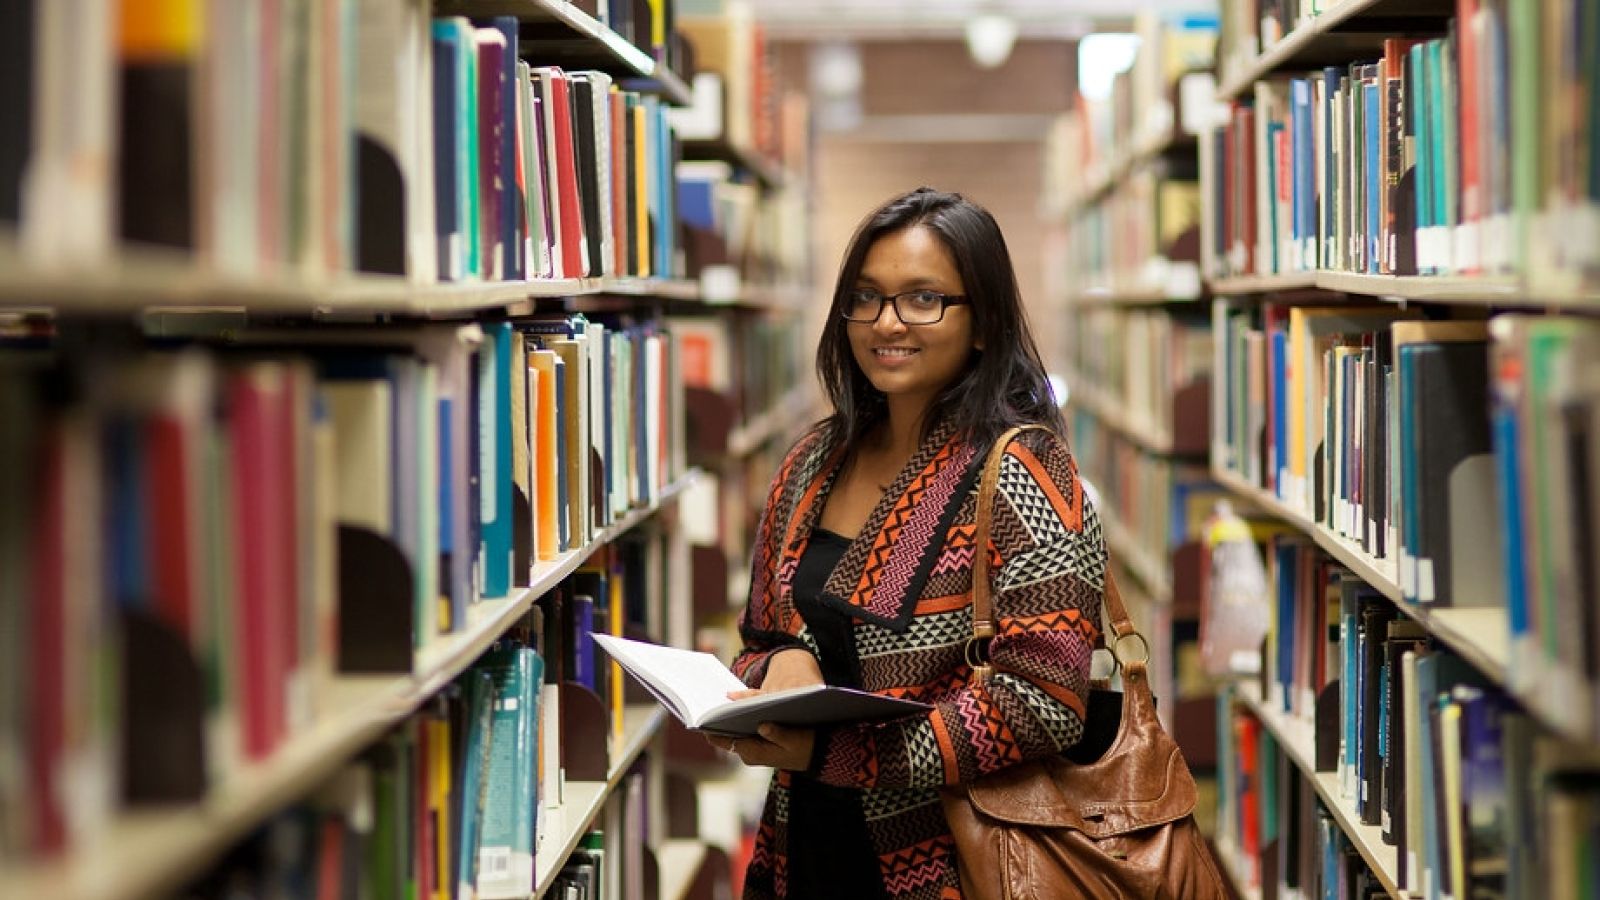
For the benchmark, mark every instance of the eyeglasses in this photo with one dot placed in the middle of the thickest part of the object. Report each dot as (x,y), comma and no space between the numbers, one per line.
(922,307)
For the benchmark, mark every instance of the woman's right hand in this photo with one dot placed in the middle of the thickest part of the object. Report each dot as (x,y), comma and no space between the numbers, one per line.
(787,669)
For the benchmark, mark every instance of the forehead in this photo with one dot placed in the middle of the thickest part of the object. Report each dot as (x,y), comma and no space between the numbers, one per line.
(910,253)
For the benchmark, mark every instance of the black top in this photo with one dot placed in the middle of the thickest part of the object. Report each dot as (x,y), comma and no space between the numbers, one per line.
(830,853)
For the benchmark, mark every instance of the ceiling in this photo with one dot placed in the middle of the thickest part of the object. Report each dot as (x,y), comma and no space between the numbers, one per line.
(868,19)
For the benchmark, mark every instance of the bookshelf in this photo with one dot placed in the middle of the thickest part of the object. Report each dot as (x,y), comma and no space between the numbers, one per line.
(1343,31)
(1297,741)
(583,800)
(148,853)
(1096,297)
(1155,144)
(1103,406)
(1478,634)
(588,41)
(1459,188)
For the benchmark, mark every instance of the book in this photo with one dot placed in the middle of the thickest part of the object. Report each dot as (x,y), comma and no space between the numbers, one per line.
(694,686)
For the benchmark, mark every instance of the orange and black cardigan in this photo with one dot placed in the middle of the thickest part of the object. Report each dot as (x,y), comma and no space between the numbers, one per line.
(904,583)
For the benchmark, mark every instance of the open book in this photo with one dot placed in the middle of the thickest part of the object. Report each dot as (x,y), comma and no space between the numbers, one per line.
(694,687)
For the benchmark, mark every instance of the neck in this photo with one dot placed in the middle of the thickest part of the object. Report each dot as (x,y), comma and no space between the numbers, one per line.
(903,430)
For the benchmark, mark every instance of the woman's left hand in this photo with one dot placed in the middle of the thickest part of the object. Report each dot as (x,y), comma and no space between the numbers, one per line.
(777,746)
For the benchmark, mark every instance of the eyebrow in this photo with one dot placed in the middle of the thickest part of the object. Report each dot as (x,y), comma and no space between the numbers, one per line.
(921,282)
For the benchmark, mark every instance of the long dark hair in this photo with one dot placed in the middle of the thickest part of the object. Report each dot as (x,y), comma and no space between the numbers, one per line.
(1004,384)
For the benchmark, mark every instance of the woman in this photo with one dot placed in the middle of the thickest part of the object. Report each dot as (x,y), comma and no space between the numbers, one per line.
(862,563)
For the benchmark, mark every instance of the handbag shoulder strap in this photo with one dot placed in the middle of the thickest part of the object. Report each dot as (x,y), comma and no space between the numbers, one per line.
(983,623)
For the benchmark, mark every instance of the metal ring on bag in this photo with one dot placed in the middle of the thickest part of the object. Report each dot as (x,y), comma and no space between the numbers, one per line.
(975,650)
(1117,655)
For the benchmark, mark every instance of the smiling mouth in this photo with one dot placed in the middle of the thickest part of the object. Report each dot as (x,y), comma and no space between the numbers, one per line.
(894,352)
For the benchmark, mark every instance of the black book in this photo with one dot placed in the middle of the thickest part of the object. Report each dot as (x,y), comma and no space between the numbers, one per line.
(1403,636)
(16,102)
(1374,620)
(584,97)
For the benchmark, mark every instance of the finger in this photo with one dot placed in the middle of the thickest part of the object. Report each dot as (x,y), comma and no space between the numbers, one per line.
(740,695)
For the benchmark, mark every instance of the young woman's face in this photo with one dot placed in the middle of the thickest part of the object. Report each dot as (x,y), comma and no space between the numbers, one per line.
(911,363)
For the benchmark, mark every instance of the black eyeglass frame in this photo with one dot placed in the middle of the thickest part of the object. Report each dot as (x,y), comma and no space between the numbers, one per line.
(946,301)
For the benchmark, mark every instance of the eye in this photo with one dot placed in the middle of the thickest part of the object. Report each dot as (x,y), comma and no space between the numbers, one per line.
(864,297)
(925,300)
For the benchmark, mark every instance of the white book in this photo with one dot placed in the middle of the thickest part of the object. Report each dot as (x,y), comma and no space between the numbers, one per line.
(694,686)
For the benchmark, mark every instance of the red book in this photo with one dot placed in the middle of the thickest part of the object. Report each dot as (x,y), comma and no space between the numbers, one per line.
(561,156)
(171,526)
(254,393)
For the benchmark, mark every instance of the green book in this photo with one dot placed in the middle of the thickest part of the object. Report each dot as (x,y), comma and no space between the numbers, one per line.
(474,786)
(1527,102)
(505,837)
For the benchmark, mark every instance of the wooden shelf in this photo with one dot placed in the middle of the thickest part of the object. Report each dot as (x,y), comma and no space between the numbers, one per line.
(784,415)
(1481,636)
(1130,296)
(1464,290)
(1108,175)
(1297,740)
(766,171)
(1317,41)
(680,861)
(152,853)
(1232,865)
(1111,413)
(137,282)
(566,825)
(601,47)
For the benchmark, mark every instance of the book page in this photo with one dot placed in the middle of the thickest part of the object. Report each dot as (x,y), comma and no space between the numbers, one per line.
(691,683)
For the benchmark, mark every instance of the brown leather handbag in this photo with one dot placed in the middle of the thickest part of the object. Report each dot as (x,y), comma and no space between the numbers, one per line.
(1111,818)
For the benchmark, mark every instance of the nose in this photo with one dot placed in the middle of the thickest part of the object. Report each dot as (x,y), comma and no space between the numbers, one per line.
(888,319)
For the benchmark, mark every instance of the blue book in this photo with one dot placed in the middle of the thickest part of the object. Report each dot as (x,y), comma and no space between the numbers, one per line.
(583,612)
(1504,428)
(1274,228)
(1331,76)
(495,486)
(1406,362)
(1288,569)
(512,214)
(1305,190)
(446,178)
(507,840)
(473,789)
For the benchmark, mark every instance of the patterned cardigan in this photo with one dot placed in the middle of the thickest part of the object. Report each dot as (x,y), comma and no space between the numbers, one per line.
(904,582)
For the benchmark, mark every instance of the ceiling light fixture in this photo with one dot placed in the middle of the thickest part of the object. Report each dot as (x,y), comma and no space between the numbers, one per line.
(990,37)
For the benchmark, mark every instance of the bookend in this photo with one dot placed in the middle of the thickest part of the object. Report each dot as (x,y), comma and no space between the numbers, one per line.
(521,538)
(711,416)
(163,700)
(585,734)
(381,216)
(1328,727)
(689,748)
(708,568)
(376,618)
(682,798)
(1191,417)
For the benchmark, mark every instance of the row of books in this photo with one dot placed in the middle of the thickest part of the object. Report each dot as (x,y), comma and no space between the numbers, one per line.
(1250,28)
(1441,156)
(462,800)
(1453,772)
(294,505)
(1455,454)
(759,236)
(541,172)
(1280,839)
(1143,237)
(325,140)
(1142,362)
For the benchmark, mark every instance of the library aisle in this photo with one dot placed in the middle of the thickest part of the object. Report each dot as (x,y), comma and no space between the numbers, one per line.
(361,360)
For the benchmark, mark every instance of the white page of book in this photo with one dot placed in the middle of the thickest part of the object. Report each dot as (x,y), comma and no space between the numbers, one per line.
(697,682)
